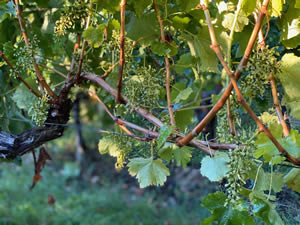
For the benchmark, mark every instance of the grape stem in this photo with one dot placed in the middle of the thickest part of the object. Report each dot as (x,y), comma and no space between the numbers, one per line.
(40,78)
(76,46)
(84,42)
(122,50)
(167,65)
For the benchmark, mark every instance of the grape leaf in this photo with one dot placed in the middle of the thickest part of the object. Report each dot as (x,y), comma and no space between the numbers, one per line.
(224,215)
(7,9)
(242,21)
(292,179)
(164,133)
(215,168)
(183,118)
(110,5)
(183,95)
(182,156)
(140,6)
(148,171)
(163,49)
(187,5)
(185,61)
(290,80)
(23,97)
(166,153)
(290,26)
(94,35)
(275,7)
(248,6)
(265,209)
(268,150)
(145,27)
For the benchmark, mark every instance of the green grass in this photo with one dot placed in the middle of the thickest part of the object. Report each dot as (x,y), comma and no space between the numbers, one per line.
(78,203)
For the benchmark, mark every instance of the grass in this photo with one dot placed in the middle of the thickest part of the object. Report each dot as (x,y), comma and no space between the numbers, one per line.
(78,203)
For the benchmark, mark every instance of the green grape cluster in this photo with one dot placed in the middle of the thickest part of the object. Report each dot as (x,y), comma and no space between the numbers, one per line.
(39,110)
(24,57)
(72,17)
(143,88)
(261,64)
(118,146)
(240,159)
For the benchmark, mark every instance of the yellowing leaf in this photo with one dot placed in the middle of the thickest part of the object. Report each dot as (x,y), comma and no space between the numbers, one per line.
(148,171)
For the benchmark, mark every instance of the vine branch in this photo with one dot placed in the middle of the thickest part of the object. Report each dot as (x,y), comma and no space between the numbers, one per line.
(40,78)
(167,65)
(122,50)
(211,114)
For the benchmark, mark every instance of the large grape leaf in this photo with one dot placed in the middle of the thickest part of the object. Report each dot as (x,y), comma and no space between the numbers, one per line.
(224,215)
(148,171)
(292,179)
(290,80)
(215,168)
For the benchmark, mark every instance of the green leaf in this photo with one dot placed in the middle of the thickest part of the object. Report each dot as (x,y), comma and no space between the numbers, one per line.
(187,5)
(275,7)
(289,24)
(248,6)
(290,80)
(224,215)
(7,10)
(166,153)
(148,171)
(292,179)
(269,151)
(215,168)
(95,36)
(164,133)
(182,118)
(163,49)
(242,21)
(265,209)
(185,61)
(200,48)
(145,27)
(110,5)
(182,156)
(23,97)
(180,22)
(103,146)
(140,6)
(183,95)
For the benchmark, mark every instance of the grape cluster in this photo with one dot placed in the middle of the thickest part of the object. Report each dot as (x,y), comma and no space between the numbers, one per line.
(72,17)
(120,147)
(39,110)
(240,159)
(261,64)
(143,88)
